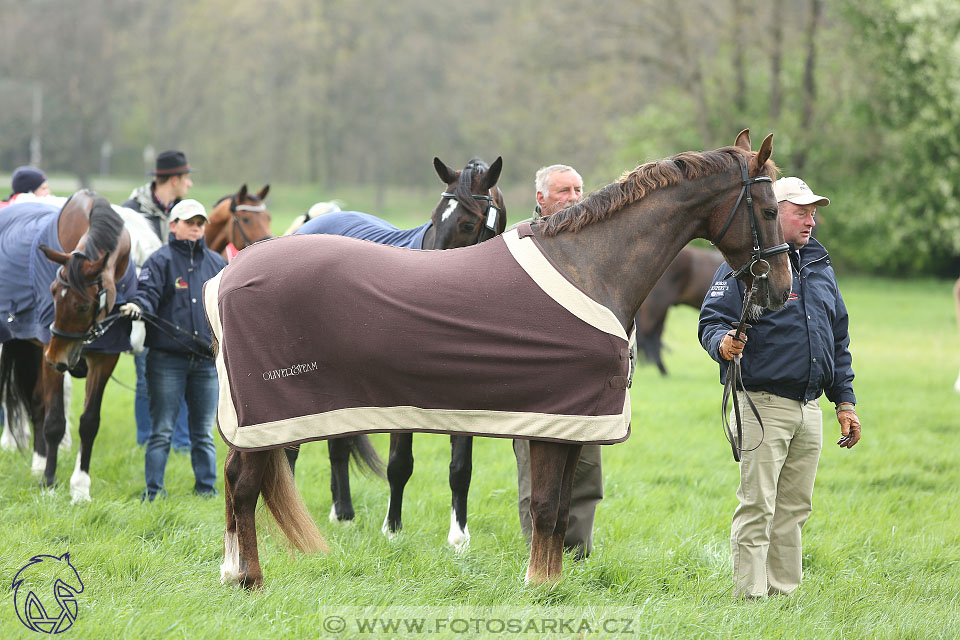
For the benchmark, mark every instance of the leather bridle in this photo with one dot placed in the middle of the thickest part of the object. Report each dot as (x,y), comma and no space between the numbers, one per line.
(492,213)
(97,328)
(238,226)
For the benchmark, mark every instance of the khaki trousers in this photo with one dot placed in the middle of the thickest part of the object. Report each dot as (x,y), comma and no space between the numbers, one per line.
(775,494)
(587,493)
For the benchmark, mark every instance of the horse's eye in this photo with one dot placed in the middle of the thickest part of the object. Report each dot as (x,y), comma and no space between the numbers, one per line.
(467,227)
(770,214)
(83,308)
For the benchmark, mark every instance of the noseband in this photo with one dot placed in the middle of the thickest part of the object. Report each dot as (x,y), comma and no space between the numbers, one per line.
(758,255)
(97,328)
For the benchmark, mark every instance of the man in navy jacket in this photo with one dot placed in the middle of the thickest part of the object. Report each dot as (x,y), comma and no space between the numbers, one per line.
(789,359)
(179,363)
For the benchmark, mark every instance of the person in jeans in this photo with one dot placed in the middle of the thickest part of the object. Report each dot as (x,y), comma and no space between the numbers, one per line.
(179,363)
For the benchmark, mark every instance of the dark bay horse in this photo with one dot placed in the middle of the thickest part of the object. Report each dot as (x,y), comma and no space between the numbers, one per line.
(686,281)
(79,261)
(613,246)
(237,221)
(470,210)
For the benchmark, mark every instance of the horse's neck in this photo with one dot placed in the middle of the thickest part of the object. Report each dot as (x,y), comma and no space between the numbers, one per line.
(430,237)
(618,260)
(72,225)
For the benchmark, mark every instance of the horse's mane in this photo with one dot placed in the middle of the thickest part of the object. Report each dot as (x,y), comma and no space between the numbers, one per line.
(475,166)
(106,226)
(634,185)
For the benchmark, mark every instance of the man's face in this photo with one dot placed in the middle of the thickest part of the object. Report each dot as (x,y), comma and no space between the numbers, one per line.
(191,229)
(565,189)
(43,190)
(181,185)
(797,222)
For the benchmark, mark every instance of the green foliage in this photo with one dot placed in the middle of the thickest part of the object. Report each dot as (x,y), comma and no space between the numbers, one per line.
(880,550)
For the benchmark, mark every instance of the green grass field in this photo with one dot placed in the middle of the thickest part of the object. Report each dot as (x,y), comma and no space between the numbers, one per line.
(881,553)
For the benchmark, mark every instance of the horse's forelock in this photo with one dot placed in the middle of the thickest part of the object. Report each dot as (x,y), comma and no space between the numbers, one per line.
(464,192)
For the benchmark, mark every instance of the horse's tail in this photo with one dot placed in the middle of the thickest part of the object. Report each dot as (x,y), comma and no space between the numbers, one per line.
(281,496)
(20,363)
(363,453)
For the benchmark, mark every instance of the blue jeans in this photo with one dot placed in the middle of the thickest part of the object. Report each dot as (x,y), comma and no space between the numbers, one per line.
(170,378)
(141,408)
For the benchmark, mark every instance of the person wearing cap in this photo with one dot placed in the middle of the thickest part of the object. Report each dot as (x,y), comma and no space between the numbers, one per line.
(789,359)
(179,363)
(558,187)
(27,180)
(153,201)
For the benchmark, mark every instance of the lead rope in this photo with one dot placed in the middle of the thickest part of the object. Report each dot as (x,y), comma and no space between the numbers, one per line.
(734,381)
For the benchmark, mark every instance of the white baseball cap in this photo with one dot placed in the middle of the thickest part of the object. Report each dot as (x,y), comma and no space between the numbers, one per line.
(186,209)
(796,191)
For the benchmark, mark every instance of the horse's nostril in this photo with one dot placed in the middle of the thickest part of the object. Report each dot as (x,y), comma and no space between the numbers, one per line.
(61,367)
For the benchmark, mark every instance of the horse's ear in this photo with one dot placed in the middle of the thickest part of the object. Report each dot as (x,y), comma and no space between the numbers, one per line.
(491,175)
(446,174)
(262,194)
(766,149)
(242,194)
(743,140)
(54,256)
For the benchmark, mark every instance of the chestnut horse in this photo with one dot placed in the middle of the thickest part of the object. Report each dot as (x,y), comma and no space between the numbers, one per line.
(686,281)
(94,275)
(614,245)
(470,210)
(237,221)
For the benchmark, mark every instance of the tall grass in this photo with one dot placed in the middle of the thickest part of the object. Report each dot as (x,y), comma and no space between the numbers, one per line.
(881,551)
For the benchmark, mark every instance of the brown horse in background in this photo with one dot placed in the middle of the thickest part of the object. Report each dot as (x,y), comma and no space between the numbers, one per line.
(95,256)
(686,281)
(237,221)
(614,246)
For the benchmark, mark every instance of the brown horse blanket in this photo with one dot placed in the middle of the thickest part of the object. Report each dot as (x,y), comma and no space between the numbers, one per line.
(322,336)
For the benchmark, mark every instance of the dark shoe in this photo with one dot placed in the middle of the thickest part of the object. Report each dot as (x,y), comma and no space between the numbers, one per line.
(206,494)
(149,497)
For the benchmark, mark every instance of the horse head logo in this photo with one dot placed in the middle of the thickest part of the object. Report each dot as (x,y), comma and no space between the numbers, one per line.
(45,593)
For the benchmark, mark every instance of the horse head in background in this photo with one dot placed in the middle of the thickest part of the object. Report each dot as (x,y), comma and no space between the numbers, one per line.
(238,220)
(471,209)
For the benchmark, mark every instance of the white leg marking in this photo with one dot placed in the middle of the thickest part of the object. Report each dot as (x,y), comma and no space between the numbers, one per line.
(458,538)
(67,441)
(38,465)
(79,484)
(385,529)
(230,569)
(7,441)
(333,513)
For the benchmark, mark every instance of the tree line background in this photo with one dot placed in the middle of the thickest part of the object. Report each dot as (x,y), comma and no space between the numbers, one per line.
(863,96)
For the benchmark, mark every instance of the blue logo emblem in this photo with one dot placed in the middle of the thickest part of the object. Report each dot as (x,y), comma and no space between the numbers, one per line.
(45,594)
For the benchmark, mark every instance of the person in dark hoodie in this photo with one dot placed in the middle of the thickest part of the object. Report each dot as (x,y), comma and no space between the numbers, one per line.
(26,180)
(153,200)
(179,362)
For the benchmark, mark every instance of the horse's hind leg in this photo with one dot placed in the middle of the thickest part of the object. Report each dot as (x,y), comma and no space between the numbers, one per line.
(547,463)
(293,452)
(555,554)
(246,490)
(230,569)
(399,470)
(461,468)
(100,365)
(339,451)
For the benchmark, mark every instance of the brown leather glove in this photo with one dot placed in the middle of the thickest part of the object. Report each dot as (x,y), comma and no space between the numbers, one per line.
(849,428)
(730,348)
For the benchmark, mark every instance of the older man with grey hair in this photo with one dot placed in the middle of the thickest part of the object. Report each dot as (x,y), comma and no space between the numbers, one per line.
(559,186)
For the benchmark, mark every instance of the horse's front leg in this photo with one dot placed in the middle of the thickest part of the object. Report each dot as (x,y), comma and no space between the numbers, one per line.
(246,490)
(100,367)
(399,470)
(339,450)
(230,569)
(47,438)
(548,461)
(461,468)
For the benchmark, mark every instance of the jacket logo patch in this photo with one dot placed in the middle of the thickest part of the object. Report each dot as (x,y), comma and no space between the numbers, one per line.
(792,296)
(180,283)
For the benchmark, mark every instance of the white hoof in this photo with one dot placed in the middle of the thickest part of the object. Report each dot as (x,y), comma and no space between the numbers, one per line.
(230,569)
(458,538)
(79,484)
(39,464)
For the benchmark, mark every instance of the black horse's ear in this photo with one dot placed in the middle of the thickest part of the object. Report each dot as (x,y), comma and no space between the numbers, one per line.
(743,140)
(53,255)
(446,174)
(242,194)
(491,175)
(262,194)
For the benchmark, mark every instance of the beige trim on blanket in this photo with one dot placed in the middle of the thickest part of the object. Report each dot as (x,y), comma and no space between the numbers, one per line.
(226,411)
(528,255)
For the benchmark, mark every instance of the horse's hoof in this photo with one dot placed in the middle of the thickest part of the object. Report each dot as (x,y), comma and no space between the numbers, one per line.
(387,531)
(229,576)
(458,538)
(250,582)
(345,520)
(79,484)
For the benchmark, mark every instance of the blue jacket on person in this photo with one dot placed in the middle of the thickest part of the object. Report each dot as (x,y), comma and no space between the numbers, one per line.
(798,352)
(171,287)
